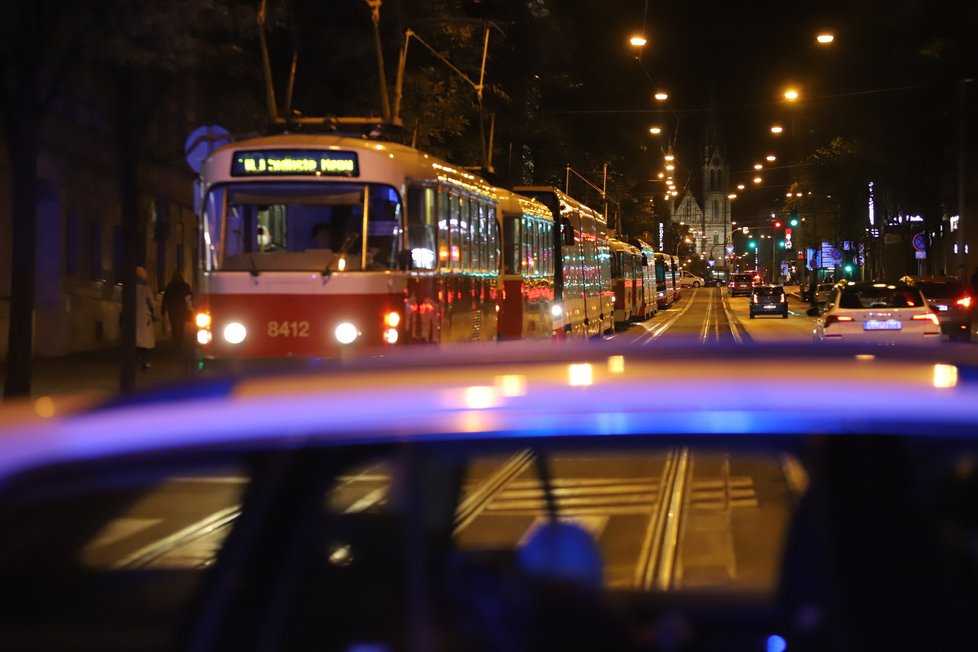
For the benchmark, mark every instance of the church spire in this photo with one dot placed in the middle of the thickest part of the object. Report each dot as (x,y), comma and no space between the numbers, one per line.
(712,140)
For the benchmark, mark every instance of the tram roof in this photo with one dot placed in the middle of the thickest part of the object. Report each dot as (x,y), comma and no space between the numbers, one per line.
(373,154)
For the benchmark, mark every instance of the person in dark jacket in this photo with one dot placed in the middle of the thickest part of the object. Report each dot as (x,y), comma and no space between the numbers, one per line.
(177,308)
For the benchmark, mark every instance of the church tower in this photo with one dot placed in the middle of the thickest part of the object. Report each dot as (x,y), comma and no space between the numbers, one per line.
(716,180)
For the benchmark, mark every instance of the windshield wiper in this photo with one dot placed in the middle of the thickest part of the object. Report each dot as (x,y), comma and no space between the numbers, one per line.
(254,268)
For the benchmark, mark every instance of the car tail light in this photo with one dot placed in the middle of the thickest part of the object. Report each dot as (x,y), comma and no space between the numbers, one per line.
(930,316)
(781,298)
(965,302)
(832,319)
(754,298)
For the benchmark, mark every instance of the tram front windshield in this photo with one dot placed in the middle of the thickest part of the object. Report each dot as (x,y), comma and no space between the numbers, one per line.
(259,227)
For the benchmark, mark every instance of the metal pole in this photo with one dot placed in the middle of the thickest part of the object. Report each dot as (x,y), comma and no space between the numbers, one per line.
(375,17)
(962,169)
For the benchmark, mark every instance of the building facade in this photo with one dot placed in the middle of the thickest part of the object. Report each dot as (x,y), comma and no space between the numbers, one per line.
(79,235)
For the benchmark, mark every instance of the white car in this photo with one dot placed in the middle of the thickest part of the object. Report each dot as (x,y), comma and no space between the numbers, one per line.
(691,280)
(877,313)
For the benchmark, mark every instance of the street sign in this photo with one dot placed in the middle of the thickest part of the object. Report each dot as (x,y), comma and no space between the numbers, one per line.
(730,249)
(920,243)
(836,255)
(860,260)
(201,142)
(920,255)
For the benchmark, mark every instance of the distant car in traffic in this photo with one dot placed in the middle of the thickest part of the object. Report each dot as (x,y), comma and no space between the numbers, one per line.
(689,280)
(822,293)
(741,284)
(877,313)
(951,301)
(768,300)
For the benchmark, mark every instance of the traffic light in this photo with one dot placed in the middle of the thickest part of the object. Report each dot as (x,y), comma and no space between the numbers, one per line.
(782,244)
(793,221)
(848,269)
(751,244)
(777,224)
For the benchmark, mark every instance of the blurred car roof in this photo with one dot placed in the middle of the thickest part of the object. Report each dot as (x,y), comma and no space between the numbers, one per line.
(524,390)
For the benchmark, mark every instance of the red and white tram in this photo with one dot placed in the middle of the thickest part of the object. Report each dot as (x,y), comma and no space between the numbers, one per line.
(583,294)
(626,276)
(315,244)
(650,307)
(667,279)
(526,307)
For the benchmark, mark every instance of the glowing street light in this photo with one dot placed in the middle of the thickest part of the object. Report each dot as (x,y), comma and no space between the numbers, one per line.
(670,167)
(758,166)
(771,158)
(655,131)
(662,175)
(776,129)
(732,196)
(670,157)
(791,95)
(637,41)
(825,38)
(661,96)
(757,180)
(740,186)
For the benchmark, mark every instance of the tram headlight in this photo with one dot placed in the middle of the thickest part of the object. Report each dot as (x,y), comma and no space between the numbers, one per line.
(556,311)
(235,333)
(392,319)
(390,336)
(204,337)
(203,320)
(346,333)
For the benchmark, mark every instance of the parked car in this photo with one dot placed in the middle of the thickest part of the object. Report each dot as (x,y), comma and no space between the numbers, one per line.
(951,301)
(877,313)
(768,300)
(689,280)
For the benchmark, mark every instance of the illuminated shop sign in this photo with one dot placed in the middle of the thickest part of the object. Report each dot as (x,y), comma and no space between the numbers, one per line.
(295,162)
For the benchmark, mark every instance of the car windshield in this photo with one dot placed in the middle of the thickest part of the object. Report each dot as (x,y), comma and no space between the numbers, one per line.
(768,291)
(867,297)
(742,278)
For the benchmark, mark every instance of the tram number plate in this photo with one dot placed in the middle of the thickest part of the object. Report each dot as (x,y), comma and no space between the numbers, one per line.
(882,325)
(288,329)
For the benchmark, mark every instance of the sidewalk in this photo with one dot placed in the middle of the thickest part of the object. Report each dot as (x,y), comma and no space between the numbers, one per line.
(98,371)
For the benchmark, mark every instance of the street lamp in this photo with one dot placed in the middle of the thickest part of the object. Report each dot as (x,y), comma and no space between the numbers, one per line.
(791,95)
(771,158)
(825,38)
(776,129)
(655,131)
(637,41)
(661,96)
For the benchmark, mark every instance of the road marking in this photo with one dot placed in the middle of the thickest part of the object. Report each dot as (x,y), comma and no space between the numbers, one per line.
(476,501)
(656,331)
(730,320)
(147,554)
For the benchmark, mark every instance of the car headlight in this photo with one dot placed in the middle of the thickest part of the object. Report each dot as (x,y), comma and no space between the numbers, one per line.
(235,333)
(346,333)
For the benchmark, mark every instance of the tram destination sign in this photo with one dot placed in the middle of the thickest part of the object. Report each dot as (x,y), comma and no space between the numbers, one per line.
(295,163)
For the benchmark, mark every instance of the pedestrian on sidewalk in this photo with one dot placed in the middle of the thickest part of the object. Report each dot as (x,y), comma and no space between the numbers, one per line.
(177,308)
(145,316)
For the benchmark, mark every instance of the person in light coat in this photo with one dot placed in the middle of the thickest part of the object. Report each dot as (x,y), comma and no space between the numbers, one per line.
(145,316)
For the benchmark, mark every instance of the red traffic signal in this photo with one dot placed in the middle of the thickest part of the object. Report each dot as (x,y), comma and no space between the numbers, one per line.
(777,224)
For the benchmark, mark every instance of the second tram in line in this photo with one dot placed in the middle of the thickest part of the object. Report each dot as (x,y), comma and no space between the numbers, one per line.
(313,245)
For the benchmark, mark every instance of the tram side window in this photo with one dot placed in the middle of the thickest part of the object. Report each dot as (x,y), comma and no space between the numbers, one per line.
(512,241)
(444,239)
(455,237)
(469,235)
(421,227)
(493,230)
